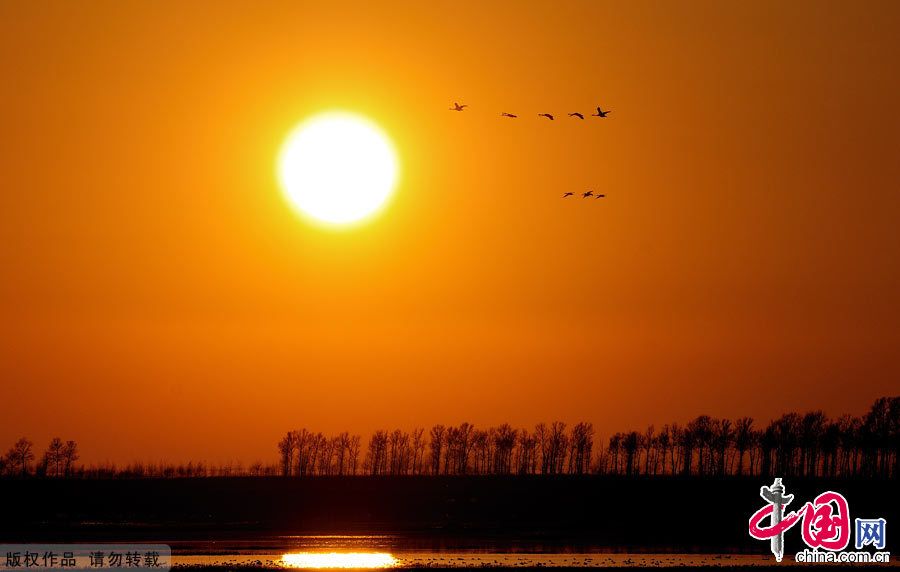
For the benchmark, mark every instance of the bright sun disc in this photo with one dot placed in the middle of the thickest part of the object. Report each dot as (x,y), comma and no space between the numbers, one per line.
(337,168)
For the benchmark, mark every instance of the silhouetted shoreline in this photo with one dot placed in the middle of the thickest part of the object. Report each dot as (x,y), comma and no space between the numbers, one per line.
(793,445)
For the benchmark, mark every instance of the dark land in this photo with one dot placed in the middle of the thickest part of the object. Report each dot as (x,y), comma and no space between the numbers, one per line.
(516,513)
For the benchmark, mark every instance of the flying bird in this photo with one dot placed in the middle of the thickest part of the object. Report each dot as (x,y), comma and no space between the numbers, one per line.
(567,195)
(505,114)
(587,194)
(458,107)
(576,114)
(547,115)
(600,113)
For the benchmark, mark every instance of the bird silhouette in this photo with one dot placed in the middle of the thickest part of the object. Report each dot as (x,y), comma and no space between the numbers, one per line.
(600,113)
(587,194)
(547,115)
(600,196)
(505,114)
(458,107)
(567,195)
(576,114)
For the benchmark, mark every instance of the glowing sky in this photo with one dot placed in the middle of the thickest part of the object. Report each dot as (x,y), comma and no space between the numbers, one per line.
(160,300)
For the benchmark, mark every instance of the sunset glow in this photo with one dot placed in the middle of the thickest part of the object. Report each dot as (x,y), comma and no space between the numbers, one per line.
(339,560)
(263,219)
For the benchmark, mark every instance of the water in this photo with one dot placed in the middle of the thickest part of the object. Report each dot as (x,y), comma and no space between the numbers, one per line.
(387,551)
(487,560)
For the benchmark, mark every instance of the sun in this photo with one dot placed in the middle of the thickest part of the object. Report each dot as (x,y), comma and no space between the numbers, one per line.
(337,168)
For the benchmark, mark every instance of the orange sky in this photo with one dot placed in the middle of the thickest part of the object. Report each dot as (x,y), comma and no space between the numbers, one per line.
(159,299)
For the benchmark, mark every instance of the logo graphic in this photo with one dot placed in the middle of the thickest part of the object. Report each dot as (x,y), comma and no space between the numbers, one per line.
(825,525)
(826,522)
(777,500)
(870,531)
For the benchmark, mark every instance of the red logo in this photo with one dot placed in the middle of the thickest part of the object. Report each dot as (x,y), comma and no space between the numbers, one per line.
(825,520)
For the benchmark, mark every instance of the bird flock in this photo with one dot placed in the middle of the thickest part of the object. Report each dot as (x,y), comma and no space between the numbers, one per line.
(600,113)
(586,195)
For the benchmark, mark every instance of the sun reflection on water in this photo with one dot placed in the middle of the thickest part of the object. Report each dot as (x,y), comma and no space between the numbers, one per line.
(338,560)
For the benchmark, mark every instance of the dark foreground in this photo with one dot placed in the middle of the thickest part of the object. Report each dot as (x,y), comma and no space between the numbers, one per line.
(428,514)
(780,568)
(515,561)
(774,568)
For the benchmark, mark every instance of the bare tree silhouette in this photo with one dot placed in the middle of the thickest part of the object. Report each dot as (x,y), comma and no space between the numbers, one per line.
(743,431)
(53,457)
(19,456)
(418,451)
(526,454)
(286,448)
(377,456)
(795,444)
(504,442)
(436,447)
(69,456)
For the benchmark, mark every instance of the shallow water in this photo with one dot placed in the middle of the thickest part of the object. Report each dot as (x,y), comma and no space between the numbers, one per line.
(382,551)
(486,560)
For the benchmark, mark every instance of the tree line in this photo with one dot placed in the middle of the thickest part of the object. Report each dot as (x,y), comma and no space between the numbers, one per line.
(57,461)
(444,450)
(794,444)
